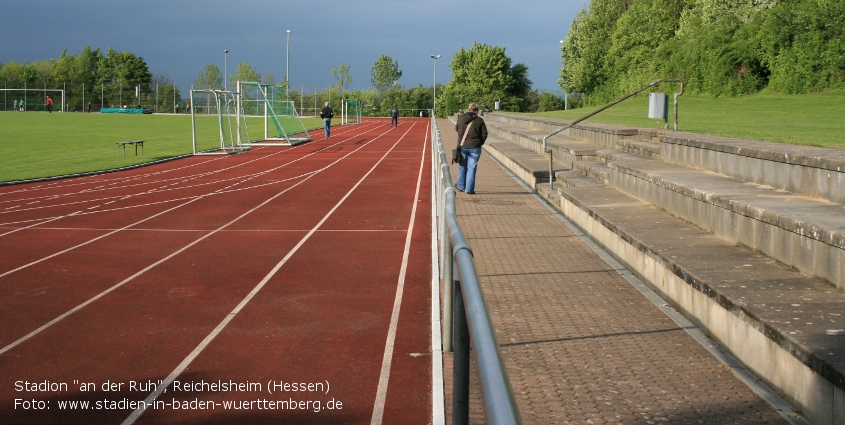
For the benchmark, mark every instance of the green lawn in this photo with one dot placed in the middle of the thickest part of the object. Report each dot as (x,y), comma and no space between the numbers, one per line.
(39,144)
(812,119)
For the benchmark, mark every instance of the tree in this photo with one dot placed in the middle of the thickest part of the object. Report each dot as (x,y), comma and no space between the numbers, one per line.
(483,74)
(550,102)
(122,71)
(209,78)
(385,74)
(244,72)
(344,79)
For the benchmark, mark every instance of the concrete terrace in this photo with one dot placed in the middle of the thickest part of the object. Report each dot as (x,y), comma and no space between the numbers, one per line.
(743,239)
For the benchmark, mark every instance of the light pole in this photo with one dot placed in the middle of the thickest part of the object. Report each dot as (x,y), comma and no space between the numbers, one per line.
(287,64)
(225,65)
(434,107)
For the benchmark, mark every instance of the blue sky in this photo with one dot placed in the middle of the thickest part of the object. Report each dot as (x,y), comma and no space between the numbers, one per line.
(180,37)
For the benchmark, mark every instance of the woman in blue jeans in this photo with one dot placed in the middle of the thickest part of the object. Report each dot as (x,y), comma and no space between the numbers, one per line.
(472,130)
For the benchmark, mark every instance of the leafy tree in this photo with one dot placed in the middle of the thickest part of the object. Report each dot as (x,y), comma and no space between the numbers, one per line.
(344,79)
(119,73)
(165,93)
(78,72)
(385,74)
(244,72)
(586,46)
(550,102)
(804,45)
(209,77)
(482,75)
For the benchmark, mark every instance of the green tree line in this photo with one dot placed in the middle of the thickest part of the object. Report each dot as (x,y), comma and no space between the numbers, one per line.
(103,79)
(482,74)
(718,47)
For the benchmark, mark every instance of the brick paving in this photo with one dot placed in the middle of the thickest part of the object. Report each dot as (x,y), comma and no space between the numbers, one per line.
(580,343)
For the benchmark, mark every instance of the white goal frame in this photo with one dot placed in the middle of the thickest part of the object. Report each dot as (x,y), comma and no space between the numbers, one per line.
(223,149)
(62,106)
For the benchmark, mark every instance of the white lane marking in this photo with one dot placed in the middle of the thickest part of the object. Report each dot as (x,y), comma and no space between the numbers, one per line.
(384,376)
(219,328)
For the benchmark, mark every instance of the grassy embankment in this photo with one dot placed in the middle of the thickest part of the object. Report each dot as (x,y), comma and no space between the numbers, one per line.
(816,119)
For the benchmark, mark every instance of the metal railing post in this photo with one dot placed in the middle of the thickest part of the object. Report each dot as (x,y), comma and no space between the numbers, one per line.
(460,362)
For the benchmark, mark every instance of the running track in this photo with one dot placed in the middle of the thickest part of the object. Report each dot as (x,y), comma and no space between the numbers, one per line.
(297,265)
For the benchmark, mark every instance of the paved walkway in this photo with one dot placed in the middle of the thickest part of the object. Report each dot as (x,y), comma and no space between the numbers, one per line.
(581,343)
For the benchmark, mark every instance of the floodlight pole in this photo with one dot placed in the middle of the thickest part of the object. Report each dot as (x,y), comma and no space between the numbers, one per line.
(225,65)
(287,63)
(434,104)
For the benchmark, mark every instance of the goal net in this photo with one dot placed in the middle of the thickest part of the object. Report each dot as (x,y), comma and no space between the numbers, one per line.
(265,107)
(215,122)
(351,112)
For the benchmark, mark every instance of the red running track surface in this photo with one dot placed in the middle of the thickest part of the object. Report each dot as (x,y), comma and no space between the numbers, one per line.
(279,285)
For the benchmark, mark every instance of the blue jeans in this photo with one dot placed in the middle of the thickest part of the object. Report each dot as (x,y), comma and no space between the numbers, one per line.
(327,124)
(466,170)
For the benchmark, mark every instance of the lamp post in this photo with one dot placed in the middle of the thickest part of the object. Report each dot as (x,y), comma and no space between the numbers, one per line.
(434,107)
(287,64)
(225,65)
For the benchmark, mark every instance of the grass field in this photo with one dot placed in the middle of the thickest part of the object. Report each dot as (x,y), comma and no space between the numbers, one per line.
(812,119)
(39,144)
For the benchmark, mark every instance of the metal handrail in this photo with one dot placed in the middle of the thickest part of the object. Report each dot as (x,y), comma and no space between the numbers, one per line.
(471,318)
(652,84)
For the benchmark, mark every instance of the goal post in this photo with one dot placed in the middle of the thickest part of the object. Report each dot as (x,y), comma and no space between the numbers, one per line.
(265,106)
(350,112)
(33,99)
(215,123)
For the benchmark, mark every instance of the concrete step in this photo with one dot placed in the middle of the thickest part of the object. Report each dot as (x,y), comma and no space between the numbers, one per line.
(528,165)
(785,327)
(804,232)
(648,149)
(595,170)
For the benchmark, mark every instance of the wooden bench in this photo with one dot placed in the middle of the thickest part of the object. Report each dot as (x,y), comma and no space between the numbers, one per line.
(130,142)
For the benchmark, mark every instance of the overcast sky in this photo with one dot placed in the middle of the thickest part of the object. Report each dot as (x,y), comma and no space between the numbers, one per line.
(179,37)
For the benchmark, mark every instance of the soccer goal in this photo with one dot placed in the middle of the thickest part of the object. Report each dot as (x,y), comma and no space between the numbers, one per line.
(215,123)
(265,106)
(350,112)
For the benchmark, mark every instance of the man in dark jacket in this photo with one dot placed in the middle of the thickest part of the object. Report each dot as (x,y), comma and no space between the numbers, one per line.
(394,116)
(326,114)
(472,133)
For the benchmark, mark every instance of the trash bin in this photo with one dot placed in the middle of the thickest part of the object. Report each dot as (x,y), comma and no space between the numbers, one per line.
(658,107)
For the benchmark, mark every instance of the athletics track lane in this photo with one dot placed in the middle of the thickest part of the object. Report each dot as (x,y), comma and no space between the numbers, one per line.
(322,317)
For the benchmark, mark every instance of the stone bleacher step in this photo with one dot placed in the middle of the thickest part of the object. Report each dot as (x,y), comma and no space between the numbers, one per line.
(595,170)
(700,273)
(529,165)
(647,149)
(573,178)
(804,232)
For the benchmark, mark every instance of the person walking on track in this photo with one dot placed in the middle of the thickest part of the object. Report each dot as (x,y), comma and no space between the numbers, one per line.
(326,114)
(49,105)
(472,133)
(394,116)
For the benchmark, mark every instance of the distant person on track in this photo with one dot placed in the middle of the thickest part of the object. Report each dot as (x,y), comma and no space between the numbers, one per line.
(326,114)
(49,105)
(394,116)
(89,107)
(23,108)
(15,107)
(476,134)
